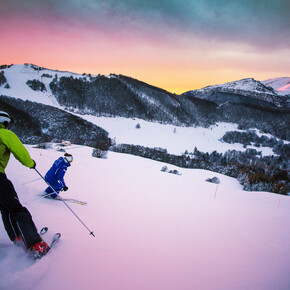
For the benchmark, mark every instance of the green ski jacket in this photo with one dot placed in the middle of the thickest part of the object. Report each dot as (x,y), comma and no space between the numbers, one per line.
(9,142)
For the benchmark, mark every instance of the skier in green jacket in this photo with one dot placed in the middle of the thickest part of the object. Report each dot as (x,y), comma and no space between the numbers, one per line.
(16,218)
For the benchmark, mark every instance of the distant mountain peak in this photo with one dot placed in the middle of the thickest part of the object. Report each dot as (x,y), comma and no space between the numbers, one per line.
(247,84)
(246,90)
(281,85)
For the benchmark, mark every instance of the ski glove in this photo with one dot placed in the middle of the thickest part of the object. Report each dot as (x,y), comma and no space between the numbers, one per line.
(34,165)
(65,188)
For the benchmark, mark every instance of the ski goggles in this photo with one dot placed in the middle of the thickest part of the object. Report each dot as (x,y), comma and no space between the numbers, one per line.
(69,159)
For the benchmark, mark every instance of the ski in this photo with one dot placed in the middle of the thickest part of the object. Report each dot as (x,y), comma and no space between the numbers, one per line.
(68,199)
(74,201)
(43,231)
(55,238)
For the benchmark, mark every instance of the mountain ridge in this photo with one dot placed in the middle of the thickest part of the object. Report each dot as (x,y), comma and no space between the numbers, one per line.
(248,88)
(122,96)
(275,84)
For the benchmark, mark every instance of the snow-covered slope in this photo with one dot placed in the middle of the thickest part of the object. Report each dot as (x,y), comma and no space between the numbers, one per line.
(280,85)
(18,75)
(175,139)
(154,230)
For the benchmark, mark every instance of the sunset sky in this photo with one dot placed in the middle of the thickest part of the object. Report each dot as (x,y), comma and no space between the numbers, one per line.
(177,45)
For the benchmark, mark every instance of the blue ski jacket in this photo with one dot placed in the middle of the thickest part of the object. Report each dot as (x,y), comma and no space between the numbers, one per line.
(55,174)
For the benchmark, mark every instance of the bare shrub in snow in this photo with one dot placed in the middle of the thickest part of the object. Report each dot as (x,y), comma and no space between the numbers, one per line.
(215,180)
(98,153)
(164,169)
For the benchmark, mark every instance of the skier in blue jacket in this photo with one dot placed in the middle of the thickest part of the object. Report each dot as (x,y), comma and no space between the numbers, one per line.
(54,176)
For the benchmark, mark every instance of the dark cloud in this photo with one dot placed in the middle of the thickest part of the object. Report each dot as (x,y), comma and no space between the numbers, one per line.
(260,23)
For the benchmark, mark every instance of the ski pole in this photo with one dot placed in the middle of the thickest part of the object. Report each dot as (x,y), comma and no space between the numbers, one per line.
(31,181)
(91,232)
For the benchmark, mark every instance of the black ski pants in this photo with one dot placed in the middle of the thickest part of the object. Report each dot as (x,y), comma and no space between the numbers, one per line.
(16,218)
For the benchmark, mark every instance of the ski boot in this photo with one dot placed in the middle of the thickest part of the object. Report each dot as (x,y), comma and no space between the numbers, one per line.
(18,241)
(39,249)
(51,197)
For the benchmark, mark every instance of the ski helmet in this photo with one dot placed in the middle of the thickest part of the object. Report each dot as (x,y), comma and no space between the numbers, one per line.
(5,119)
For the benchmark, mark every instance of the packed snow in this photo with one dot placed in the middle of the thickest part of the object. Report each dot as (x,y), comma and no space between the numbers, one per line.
(175,139)
(154,230)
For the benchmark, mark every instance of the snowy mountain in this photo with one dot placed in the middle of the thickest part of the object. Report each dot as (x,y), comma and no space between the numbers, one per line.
(230,129)
(121,96)
(16,77)
(247,91)
(280,85)
(154,230)
(41,113)
(247,103)
(113,95)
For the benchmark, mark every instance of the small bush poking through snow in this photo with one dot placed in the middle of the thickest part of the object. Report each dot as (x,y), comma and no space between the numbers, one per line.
(98,153)
(213,180)
(165,169)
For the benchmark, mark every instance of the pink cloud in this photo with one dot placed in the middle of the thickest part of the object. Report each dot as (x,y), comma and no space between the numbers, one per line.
(159,57)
